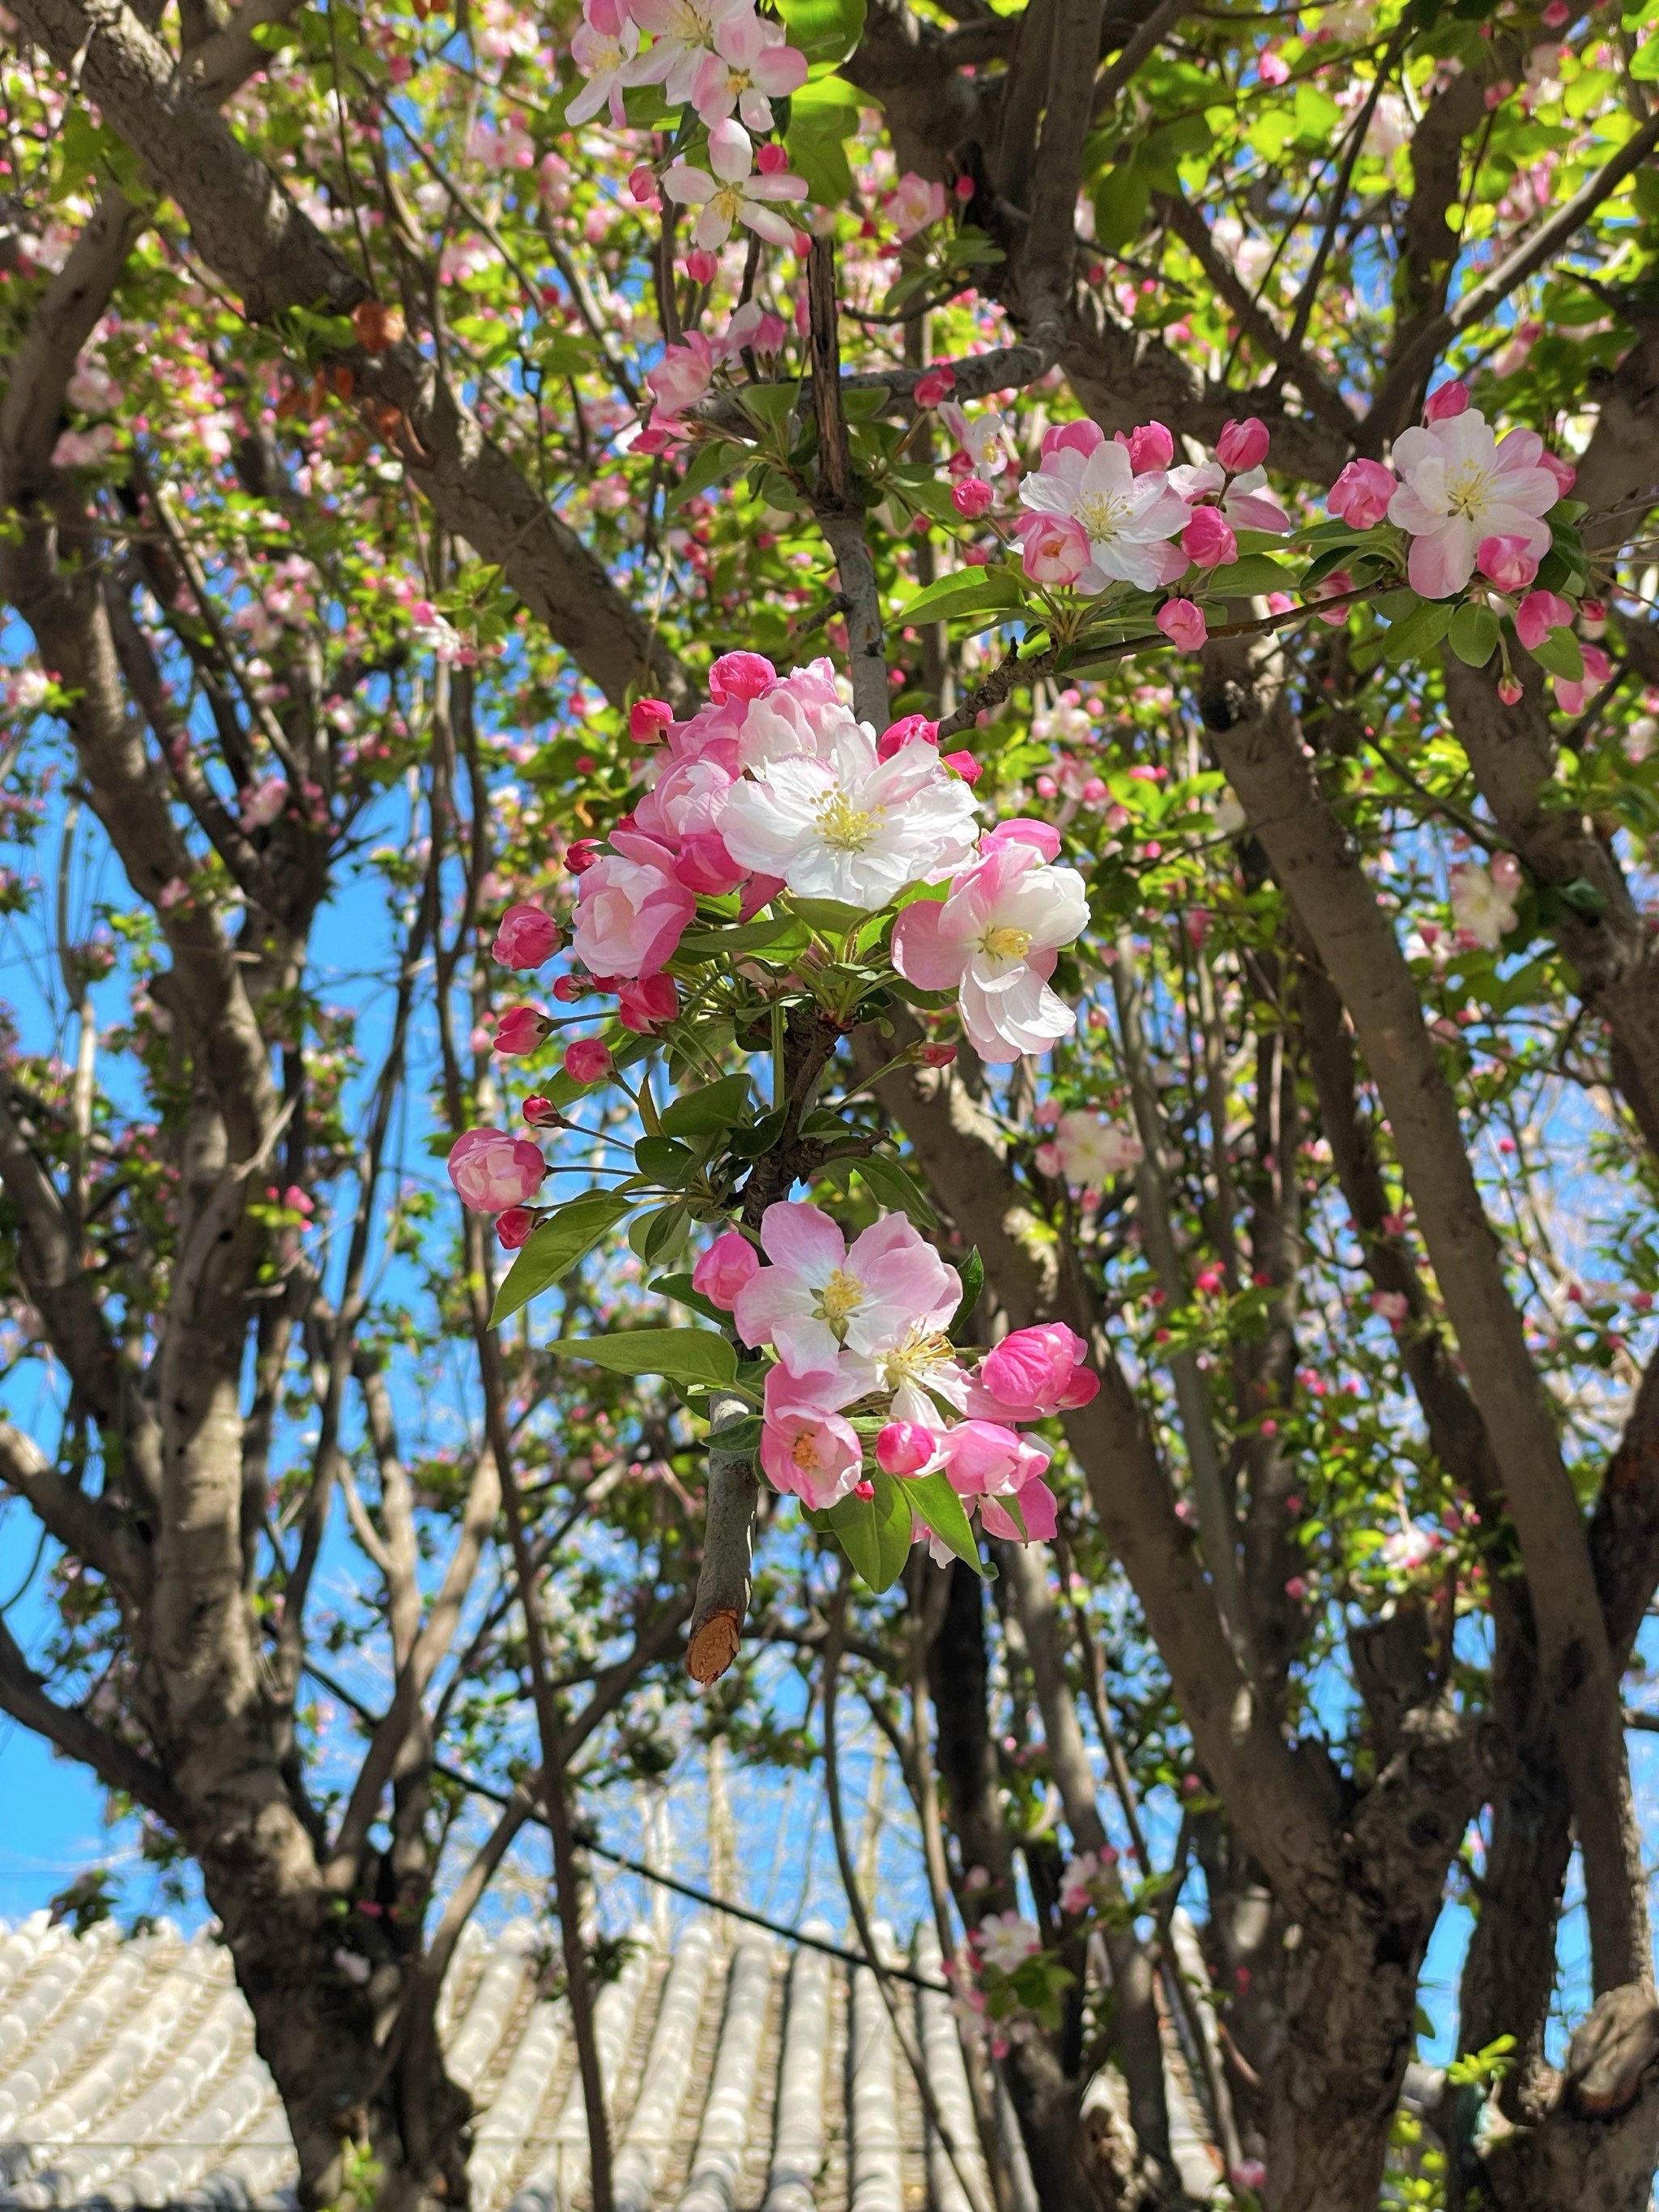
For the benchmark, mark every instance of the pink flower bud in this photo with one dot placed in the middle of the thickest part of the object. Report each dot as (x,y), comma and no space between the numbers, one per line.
(964,189)
(642,184)
(513,1228)
(587,1060)
(493,1172)
(527,938)
(541,1113)
(646,1003)
(1151,447)
(569,989)
(1050,1161)
(1183,625)
(964,764)
(938,1055)
(1508,560)
(740,676)
(1037,1371)
(1207,541)
(700,266)
(1445,401)
(772,160)
(971,496)
(580,854)
(647,720)
(939,383)
(1242,445)
(909,730)
(520,1029)
(1538,614)
(1296,1589)
(1509,692)
(1564,472)
(1055,548)
(905,1448)
(1333,587)
(730,1262)
(1361,493)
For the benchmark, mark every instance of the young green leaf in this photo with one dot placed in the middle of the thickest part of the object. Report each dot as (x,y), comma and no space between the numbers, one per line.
(874,1532)
(722,1105)
(693,1356)
(938,1504)
(554,1249)
(891,1186)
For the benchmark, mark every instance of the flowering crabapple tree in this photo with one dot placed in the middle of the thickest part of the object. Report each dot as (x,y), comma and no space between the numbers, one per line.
(1036,624)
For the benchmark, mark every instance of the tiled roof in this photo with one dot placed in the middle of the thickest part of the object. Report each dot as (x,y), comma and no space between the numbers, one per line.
(740,2079)
(744,2076)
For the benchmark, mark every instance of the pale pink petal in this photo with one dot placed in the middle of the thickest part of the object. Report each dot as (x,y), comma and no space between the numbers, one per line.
(802,1238)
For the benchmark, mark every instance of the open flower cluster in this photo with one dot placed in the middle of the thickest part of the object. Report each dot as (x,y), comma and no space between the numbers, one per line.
(866,1369)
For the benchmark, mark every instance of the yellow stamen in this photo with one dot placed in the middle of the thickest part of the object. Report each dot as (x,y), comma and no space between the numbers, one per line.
(845,826)
(1002,943)
(839,1300)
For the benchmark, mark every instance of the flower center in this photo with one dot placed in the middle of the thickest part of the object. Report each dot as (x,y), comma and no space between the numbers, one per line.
(605,55)
(804,1451)
(1100,514)
(728,202)
(689,24)
(847,828)
(1001,942)
(1467,489)
(839,1300)
(915,1360)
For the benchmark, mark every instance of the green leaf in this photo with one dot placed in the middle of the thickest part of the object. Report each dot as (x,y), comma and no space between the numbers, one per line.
(684,1293)
(1474,635)
(743,936)
(833,917)
(825,30)
(722,456)
(554,1249)
(743,1435)
(972,1271)
(665,1159)
(770,404)
(1418,634)
(1121,199)
(696,1356)
(874,1532)
(1560,650)
(1245,578)
(933,1498)
(963,591)
(706,1112)
(891,1186)
(658,1236)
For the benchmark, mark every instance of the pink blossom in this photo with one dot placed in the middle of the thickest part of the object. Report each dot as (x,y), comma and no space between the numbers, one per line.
(964,765)
(631,911)
(1207,541)
(909,730)
(1446,402)
(983,1458)
(937,385)
(520,1029)
(971,497)
(1054,548)
(1538,614)
(730,1262)
(263,802)
(740,676)
(806,1450)
(587,1060)
(1039,1511)
(1509,563)
(604,45)
(649,720)
(1126,518)
(1361,493)
(580,854)
(995,940)
(1151,447)
(1564,472)
(751,65)
(527,938)
(732,194)
(1036,1372)
(1572,698)
(1182,623)
(906,1446)
(1334,586)
(1243,444)
(1272,69)
(683,375)
(646,1003)
(914,203)
(685,32)
(1461,485)
(492,1171)
(513,1228)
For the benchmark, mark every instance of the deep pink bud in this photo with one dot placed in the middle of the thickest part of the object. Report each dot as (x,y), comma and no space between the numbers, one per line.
(1445,401)
(1242,445)
(905,1448)
(1361,493)
(1508,560)
(700,266)
(964,764)
(937,1055)
(646,1003)
(909,730)
(1509,692)
(569,989)
(580,854)
(1183,625)
(740,676)
(971,497)
(1564,472)
(1207,541)
(520,1029)
(1538,614)
(730,1261)
(541,1113)
(587,1060)
(1037,1371)
(527,938)
(642,184)
(1151,447)
(772,160)
(493,1172)
(647,718)
(513,1228)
